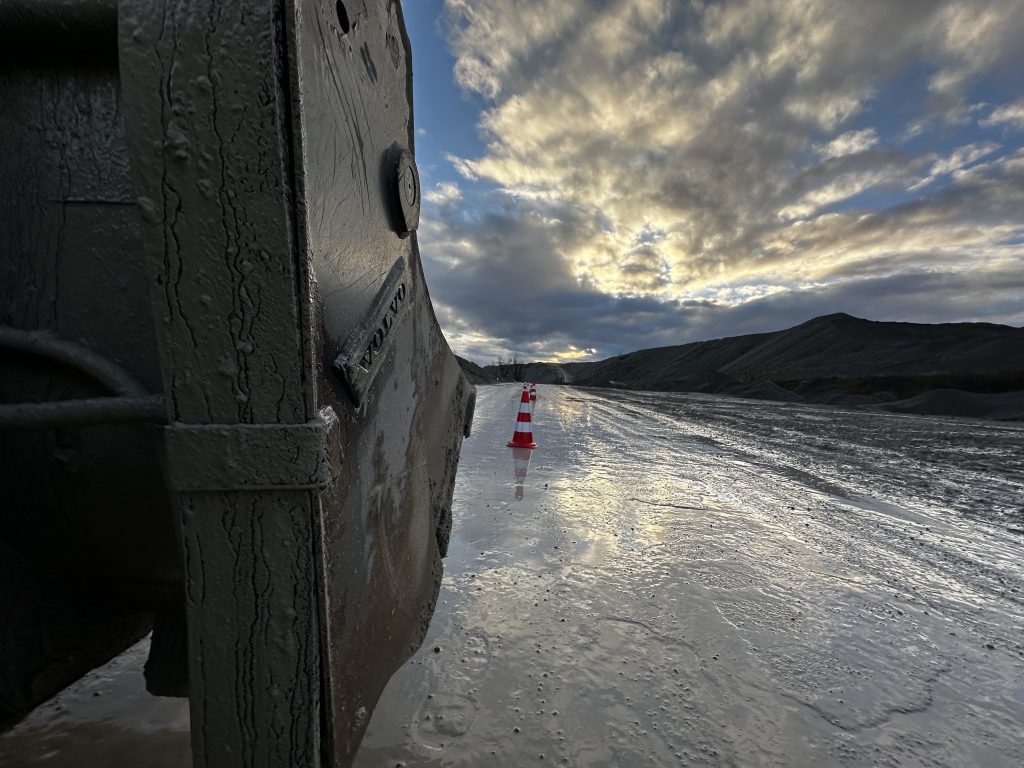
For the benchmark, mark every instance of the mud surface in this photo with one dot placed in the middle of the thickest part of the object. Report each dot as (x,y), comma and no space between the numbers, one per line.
(105,720)
(686,580)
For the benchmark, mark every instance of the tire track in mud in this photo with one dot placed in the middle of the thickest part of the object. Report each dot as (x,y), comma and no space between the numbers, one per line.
(919,525)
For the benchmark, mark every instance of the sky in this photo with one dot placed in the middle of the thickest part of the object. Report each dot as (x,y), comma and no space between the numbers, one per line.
(601,176)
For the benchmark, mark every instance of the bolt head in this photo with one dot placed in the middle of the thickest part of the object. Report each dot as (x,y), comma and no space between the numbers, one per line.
(407,193)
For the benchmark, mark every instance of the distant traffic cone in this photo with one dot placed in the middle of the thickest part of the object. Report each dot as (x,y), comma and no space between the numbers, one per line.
(523,436)
(533,392)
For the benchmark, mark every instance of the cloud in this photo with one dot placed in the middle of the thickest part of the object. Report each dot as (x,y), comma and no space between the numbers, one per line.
(443,192)
(961,157)
(503,283)
(844,176)
(1009,115)
(743,135)
(464,167)
(850,143)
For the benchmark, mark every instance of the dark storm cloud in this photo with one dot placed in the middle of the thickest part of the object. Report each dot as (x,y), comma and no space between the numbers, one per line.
(509,290)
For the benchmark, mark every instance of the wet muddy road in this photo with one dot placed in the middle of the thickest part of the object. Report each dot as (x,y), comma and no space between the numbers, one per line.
(706,581)
(686,580)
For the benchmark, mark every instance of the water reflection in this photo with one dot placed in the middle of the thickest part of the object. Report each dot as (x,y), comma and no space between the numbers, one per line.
(521,462)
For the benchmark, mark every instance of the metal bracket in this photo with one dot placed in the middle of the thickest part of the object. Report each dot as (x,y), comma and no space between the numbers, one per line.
(254,457)
(366,348)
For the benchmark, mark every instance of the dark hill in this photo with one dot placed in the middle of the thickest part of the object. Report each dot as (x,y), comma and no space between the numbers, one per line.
(836,359)
(826,348)
(841,345)
(475,373)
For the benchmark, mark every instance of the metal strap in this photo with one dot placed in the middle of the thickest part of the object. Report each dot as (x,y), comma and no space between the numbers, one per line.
(253,457)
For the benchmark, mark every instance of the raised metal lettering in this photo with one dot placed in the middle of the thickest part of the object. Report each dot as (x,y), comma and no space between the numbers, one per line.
(362,353)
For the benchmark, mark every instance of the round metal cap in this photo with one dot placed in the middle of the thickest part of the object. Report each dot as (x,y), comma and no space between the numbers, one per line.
(407,192)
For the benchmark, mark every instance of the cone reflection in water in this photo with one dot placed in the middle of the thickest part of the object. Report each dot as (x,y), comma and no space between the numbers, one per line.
(521,462)
(523,436)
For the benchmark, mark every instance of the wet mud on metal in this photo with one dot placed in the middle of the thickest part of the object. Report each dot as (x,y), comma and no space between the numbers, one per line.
(684,580)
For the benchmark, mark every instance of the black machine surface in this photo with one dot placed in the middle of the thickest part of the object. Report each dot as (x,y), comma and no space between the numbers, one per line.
(227,412)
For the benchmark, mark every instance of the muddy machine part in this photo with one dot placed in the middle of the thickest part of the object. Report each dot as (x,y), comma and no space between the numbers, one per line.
(227,412)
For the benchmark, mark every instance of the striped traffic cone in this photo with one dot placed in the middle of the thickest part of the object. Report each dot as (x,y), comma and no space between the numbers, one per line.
(523,436)
(533,393)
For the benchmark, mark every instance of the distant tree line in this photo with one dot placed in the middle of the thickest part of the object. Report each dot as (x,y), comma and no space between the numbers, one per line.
(510,367)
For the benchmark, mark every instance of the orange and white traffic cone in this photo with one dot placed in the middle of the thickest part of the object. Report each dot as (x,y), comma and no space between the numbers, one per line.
(523,436)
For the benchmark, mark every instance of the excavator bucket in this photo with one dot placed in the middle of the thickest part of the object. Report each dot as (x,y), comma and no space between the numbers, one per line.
(227,412)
